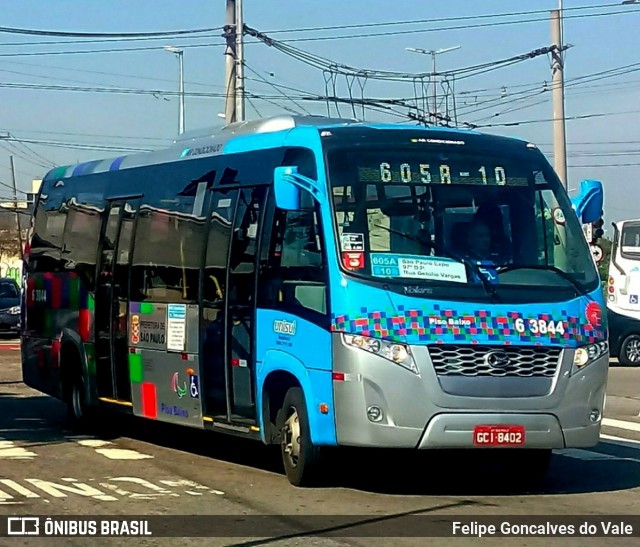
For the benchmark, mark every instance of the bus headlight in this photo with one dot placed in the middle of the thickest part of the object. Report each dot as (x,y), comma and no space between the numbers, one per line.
(392,351)
(585,355)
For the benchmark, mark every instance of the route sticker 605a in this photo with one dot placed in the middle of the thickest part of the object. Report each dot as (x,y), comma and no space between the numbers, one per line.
(539,326)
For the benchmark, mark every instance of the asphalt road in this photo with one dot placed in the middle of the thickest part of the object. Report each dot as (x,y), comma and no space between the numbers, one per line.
(142,468)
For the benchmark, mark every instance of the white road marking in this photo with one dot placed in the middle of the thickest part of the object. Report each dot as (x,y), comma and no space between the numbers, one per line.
(621,424)
(112,453)
(621,440)
(15,493)
(191,484)
(57,490)
(155,490)
(9,450)
(122,454)
(18,488)
(93,443)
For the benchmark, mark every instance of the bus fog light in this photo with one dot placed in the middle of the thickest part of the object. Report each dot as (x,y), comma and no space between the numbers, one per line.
(398,353)
(581,357)
(588,354)
(375,413)
(594,415)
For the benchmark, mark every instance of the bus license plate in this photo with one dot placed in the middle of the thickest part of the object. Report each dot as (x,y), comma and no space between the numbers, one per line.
(498,435)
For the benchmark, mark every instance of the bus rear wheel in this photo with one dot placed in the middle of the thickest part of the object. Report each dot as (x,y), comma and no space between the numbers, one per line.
(300,457)
(630,351)
(80,416)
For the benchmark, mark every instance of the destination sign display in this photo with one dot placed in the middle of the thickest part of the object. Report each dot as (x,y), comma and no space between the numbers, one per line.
(455,170)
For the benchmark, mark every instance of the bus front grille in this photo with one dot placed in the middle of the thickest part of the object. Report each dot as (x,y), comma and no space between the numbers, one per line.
(500,361)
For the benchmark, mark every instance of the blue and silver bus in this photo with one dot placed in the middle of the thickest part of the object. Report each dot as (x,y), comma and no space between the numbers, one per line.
(316,283)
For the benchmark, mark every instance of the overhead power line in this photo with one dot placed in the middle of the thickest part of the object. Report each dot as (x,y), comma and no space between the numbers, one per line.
(166,33)
(436,20)
(378,34)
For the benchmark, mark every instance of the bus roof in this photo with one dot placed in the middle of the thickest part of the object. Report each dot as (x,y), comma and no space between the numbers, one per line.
(211,141)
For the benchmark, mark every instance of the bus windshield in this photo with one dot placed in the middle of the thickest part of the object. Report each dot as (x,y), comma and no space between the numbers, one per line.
(449,213)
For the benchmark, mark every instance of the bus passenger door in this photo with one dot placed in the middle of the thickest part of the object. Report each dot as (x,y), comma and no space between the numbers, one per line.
(229,304)
(241,302)
(214,298)
(111,305)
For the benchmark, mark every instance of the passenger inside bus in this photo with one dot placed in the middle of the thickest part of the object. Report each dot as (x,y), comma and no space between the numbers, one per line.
(479,241)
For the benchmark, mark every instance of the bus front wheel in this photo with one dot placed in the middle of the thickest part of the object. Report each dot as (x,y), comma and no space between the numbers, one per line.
(301,458)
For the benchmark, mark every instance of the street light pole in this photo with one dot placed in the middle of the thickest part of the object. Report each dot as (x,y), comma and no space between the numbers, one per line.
(433,53)
(179,53)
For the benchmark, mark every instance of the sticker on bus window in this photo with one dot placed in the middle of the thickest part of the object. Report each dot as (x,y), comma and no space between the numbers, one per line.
(417,267)
(224,203)
(352,242)
(135,329)
(353,260)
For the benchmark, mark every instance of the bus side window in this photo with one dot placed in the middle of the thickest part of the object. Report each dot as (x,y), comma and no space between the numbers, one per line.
(166,256)
(296,269)
(46,244)
(81,241)
(244,246)
(219,236)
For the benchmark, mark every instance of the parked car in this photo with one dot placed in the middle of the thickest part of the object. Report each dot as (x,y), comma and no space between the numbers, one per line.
(624,338)
(9,306)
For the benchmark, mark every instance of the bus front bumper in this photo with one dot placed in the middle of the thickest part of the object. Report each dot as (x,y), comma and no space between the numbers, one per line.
(380,404)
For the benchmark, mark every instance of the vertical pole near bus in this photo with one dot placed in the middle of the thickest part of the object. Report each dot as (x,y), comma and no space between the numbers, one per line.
(557,78)
(230,62)
(15,206)
(239,62)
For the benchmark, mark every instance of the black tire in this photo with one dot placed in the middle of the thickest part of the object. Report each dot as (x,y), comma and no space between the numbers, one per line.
(300,457)
(79,415)
(630,351)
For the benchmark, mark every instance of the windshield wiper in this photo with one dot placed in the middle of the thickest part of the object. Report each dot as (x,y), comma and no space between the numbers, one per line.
(488,288)
(548,268)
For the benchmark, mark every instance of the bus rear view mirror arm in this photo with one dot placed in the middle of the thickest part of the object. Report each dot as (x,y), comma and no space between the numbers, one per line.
(613,252)
(288,183)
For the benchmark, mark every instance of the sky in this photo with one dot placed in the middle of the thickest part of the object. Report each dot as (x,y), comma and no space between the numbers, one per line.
(66,99)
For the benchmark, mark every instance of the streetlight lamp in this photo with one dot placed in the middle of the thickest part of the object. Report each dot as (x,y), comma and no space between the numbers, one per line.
(179,54)
(433,53)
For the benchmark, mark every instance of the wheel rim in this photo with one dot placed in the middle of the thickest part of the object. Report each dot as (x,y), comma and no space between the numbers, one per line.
(291,438)
(633,350)
(76,401)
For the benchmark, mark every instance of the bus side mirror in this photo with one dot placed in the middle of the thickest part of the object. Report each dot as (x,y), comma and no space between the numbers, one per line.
(589,203)
(286,190)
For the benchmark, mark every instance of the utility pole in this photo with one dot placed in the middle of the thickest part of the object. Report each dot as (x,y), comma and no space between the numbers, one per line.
(15,207)
(239,62)
(230,62)
(557,79)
